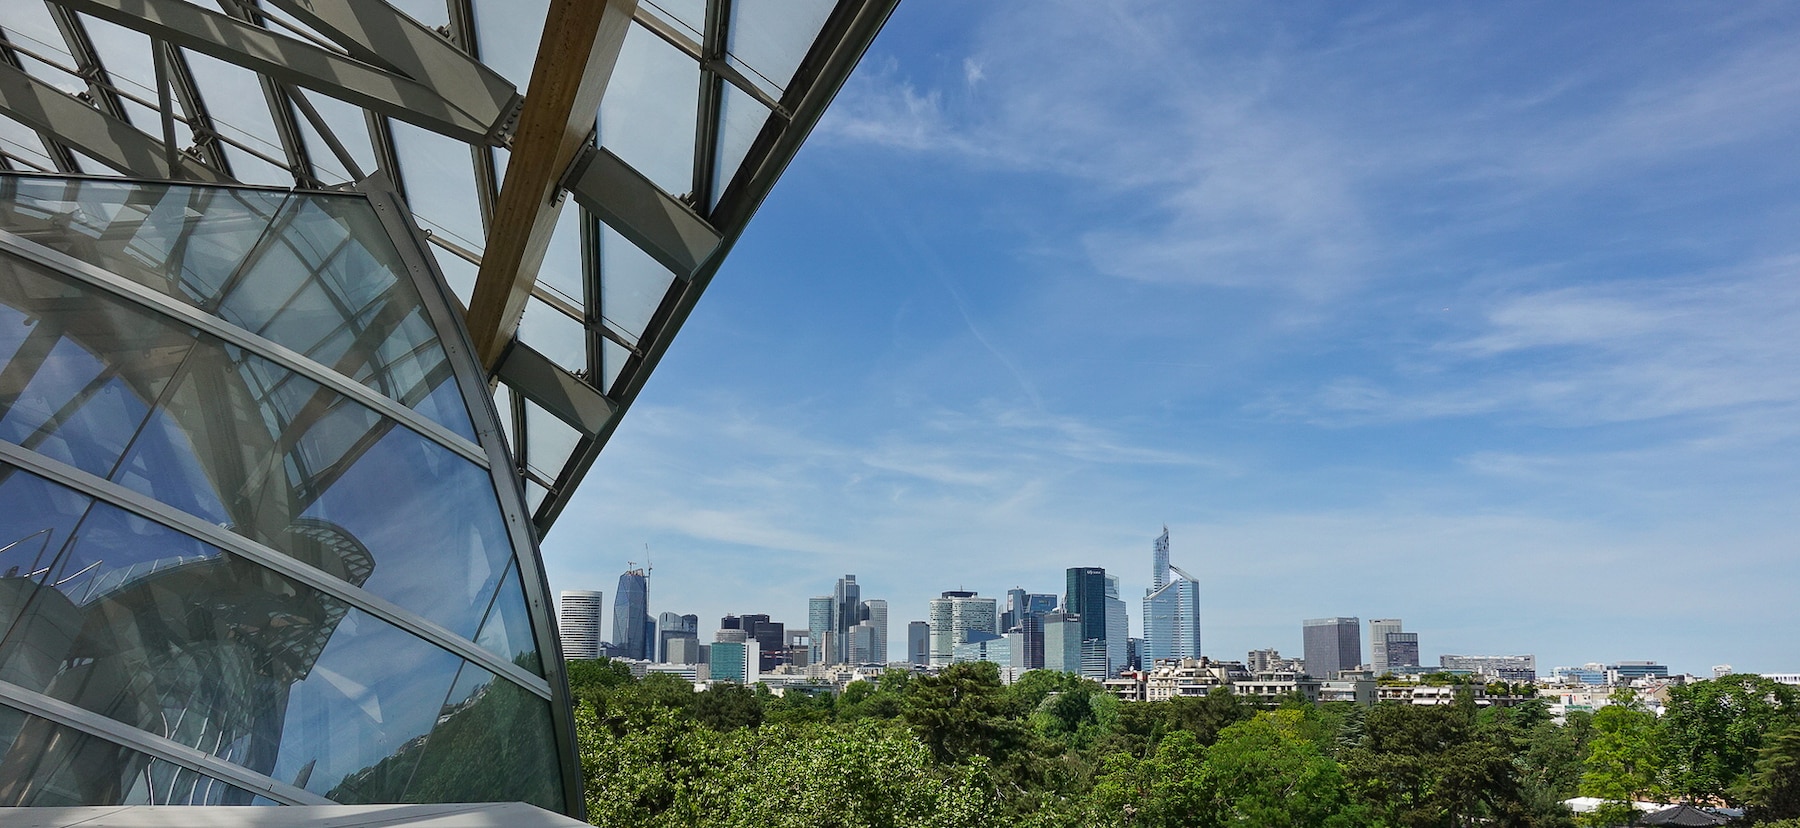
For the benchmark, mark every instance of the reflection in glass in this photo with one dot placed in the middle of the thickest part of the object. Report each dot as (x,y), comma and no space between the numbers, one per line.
(162,632)
(46,765)
(490,738)
(313,272)
(76,387)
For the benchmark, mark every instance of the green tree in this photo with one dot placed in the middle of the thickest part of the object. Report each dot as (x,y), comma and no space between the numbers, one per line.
(1425,767)
(727,706)
(1713,730)
(1273,771)
(959,714)
(1773,788)
(1623,760)
(869,775)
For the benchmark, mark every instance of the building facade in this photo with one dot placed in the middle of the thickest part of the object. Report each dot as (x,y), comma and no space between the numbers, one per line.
(632,630)
(875,614)
(1378,632)
(1504,668)
(918,643)
(671,625)
(1118,629)
(952,617)
(578,617)
(1332,644)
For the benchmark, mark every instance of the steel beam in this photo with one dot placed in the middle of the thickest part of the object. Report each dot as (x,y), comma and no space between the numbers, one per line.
(294,61)
(109,140)
(670,231)
(375,33)
(555,390)
(575,60)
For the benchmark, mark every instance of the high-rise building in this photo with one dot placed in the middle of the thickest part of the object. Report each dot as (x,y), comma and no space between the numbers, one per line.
(818,623)
(333,436)
(846,613)
(875,614)
(953,616)
(631,616)
(918,643)
(1332,644)
(770,638)
(1062,642)
(1118,629)
(1086,597)
(1378,630)
(671,625)
(1402,651)
(1159,561)
(578,619)
(1171,610)
(734,659)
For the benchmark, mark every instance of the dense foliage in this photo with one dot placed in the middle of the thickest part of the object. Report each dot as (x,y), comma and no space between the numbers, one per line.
(1054,750)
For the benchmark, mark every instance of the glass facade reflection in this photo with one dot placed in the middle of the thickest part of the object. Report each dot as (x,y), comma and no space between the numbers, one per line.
(254,543)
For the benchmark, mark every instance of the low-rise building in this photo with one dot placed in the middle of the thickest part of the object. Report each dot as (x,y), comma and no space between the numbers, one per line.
(1275,686)
(1174,677)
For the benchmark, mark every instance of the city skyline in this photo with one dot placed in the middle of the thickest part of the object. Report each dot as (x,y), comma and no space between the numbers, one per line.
(1451,345)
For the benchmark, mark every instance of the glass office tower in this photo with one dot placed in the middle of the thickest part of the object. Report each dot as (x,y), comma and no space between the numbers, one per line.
(259,540)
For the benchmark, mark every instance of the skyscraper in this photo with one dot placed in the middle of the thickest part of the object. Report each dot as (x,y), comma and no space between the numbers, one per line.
(770,637)
(1118,629)
(875,614)
(578,619)
(1159,560)
(918,643)
(818,624)
(1171,609)
(1332,644)
(1378,631)
(1062,642)
(1086,596)
(631,616)
(846,612)
(953,616)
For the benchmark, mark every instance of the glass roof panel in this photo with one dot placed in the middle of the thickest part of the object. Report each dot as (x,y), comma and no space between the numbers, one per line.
(29,26)
(346,124)
(131,65)
(433,13)
(612,360)
(632,284)
(561,272)
(548,441)
(741,119)
(439,175)
(18,140)
(553,334)
(234,99)
(507,34)
(687,14)
(771,37)
(648,115)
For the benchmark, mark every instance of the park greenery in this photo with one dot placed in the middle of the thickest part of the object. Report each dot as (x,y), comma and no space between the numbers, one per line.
(1053,750)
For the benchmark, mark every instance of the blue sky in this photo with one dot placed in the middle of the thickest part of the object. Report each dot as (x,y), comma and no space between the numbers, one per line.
(1485,318)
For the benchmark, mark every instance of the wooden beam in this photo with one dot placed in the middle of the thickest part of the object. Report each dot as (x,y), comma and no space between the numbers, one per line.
(574,62)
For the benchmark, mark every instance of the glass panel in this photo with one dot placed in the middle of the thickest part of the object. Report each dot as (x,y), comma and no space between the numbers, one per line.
(36,521)
(23,145)
(613,357)
(562,269)
(535,495)
(554,334)
(306,471)
(459,274)
(326,282)
(507,630)
(493,737)
(771,37)
(44,764)
(76,387)
(182,241)
(234,99)
(741,119)
(647,116)
(548,441)
(507,33)
(439,176)
(346,122)
(632,284)
(165,633)
(688,14)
